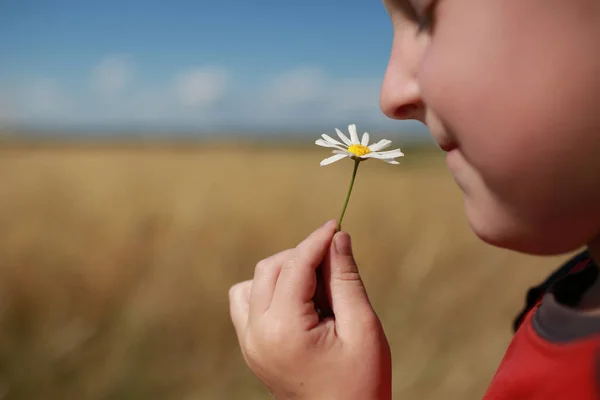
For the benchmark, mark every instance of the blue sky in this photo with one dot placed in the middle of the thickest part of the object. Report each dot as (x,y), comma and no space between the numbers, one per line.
(259,65)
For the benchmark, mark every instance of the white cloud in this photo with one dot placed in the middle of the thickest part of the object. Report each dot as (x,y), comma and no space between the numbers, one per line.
(202,97)
(299,85)
(351,95)
(151,104)
(7,112)
(201,87)
(309,92)
(112,74)
(43,98)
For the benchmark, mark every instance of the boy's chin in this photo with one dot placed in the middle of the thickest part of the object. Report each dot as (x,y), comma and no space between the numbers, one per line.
(501,231)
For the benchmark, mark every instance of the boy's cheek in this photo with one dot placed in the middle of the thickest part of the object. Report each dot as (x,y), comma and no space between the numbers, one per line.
(522,125)
(501,126)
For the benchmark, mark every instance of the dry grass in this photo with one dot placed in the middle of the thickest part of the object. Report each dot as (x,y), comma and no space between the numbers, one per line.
(115,265)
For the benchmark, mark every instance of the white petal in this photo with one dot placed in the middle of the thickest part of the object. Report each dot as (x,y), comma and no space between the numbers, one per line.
(323,143)
(374,155)
(346,152)
(391,153)
(365,139)
(382,144)
(343,137)
(330,139)
(333,159)
(353,135)
(391,162)
(383,156)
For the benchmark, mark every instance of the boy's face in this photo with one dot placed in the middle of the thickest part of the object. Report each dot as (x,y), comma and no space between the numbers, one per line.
(512,89)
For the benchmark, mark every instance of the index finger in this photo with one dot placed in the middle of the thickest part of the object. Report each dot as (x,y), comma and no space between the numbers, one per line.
(265,280)
(297,281)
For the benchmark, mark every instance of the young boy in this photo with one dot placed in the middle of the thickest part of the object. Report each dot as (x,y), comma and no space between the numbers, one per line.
(510,89)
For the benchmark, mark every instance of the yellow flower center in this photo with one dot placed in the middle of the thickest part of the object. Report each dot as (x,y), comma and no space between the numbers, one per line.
(359,150)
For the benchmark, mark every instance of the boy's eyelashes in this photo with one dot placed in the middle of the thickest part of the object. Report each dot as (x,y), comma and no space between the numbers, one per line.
(425,22)
(419,11)
(425,18)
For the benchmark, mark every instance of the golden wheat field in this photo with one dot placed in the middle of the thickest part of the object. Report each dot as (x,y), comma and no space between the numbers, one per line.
(115,263)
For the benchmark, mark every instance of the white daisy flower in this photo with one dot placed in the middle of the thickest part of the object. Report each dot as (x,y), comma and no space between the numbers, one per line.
(358,150)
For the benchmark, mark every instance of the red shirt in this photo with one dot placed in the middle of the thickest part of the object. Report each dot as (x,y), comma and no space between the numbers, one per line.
(555,352)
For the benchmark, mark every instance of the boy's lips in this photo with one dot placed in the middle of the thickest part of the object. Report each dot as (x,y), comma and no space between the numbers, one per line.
(446,144)
(448,147)
(442,134)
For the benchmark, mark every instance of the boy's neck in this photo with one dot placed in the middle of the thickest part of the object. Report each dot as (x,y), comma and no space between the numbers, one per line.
(591,300)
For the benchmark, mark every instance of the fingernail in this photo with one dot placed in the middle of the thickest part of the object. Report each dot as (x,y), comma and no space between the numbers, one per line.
(342,243)
(330,222)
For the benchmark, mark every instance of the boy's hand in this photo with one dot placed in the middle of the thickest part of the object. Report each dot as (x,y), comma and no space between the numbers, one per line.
(293,353)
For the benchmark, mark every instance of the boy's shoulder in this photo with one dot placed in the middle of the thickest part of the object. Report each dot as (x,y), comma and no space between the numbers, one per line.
(555,352)
(580,266)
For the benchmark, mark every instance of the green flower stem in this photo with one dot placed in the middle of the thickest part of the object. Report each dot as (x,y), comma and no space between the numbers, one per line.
(339,226)
(320,298)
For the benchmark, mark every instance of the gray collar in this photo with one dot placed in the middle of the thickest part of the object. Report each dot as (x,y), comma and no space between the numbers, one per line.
(561,324)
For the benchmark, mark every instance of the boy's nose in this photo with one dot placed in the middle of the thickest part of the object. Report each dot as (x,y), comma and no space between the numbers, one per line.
(400,92)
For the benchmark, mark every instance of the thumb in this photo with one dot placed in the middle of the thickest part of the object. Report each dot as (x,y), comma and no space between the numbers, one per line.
(349,300)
